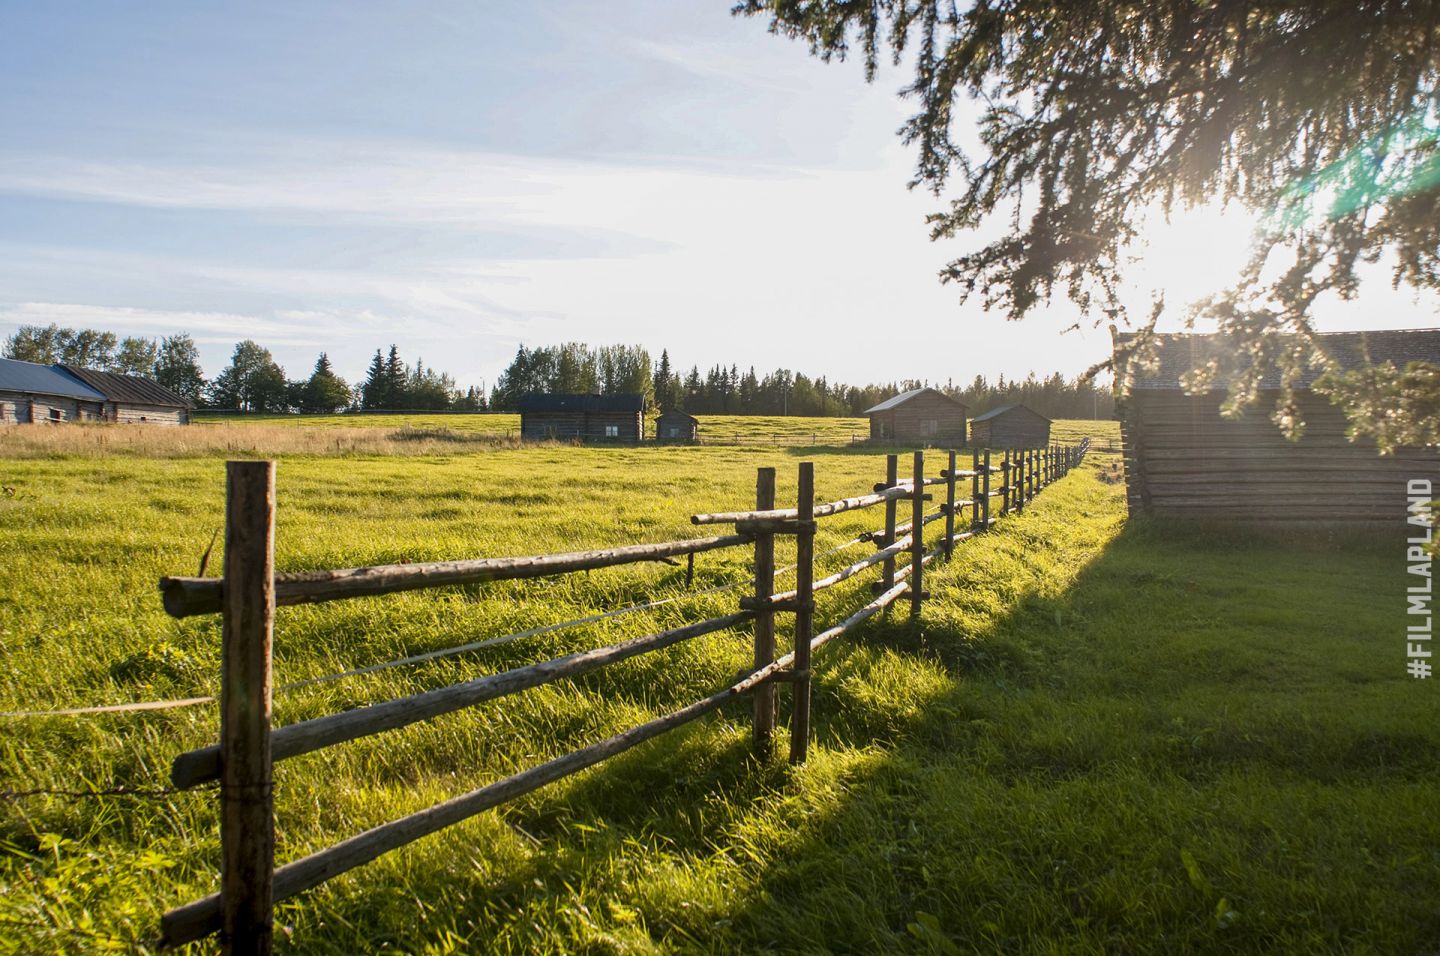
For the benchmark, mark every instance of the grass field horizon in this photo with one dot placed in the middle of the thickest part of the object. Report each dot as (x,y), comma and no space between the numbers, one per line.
(1102,736)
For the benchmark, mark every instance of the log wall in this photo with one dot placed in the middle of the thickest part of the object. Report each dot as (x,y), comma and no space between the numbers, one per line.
(1182,459)
(910,422)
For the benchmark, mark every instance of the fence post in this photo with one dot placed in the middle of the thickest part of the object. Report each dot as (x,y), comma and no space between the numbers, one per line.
(247,823)
(892,478)
(917,536)
(765,695)
(985,491)
(1005,484)
(950,508)
(974,488)
(804,611)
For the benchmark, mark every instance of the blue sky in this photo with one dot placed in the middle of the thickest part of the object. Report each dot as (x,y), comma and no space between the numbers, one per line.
(458,178)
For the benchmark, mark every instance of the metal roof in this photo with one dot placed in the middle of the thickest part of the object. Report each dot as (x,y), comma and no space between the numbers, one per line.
(17,376)
(129,389)
(583,403)
(1002,409)
(904,397)
(1179,353)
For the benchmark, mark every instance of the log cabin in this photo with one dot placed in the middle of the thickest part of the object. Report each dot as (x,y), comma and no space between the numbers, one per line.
(616,418)
(34,393)
(677,427)
(922,415)
(1184,459)
(1010,426)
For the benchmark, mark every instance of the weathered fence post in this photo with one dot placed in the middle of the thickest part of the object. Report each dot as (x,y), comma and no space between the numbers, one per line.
(804,611)
(892,478)
(1005,484)
(950,508)
(247,822)
(985,492)
(974,488)
(764,618)
(917,536)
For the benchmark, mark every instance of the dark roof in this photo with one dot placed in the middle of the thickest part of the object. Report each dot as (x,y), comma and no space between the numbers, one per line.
(583,403)
(904,397)
(17,376)
(673,415)
(1180,352)
(129,389)
(1003,409)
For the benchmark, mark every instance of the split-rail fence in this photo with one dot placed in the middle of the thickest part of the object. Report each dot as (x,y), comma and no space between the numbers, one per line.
(249,591)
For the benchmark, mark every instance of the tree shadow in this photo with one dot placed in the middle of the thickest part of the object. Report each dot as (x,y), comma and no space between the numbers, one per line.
(1196,742)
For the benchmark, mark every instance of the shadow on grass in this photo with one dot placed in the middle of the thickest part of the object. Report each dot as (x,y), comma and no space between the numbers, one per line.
(1199,740)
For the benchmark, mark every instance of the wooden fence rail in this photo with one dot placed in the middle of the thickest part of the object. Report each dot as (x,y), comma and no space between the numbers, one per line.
(249,591)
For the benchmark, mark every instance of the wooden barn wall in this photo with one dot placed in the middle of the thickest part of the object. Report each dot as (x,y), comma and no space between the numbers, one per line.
(131,414)
(1184,460)
(542,425)
(1011,432)
(19,408)
(907,421)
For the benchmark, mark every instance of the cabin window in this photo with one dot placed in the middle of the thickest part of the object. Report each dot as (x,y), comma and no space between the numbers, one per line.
(930,426)
(55,415)
(612,431)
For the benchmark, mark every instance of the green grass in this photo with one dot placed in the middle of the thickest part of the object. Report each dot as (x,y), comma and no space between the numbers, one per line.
(1100,737)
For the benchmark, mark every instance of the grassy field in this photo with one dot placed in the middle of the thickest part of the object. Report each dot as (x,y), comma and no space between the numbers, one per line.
(1101,737)
(406,435)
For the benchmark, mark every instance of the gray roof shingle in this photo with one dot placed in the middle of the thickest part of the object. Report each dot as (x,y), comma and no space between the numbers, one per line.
(630,402)
(127,389)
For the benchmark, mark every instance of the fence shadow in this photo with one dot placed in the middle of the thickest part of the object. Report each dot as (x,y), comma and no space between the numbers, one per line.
(1069,765)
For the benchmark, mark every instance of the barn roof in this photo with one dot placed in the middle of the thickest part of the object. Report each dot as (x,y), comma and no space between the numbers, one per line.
(1180,352)
(17,376)
(130,389)
(904,397)
(674,415)
(999,410)
(583,403)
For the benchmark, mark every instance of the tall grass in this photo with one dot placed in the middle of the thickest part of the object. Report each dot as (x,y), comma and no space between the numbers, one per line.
(1100,737)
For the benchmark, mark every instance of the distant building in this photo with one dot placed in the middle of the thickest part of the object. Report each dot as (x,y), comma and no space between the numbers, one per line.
(1184,459)
(33,393)
(1010,426)
(922,415)
(587,417)
(677,427)
(131,398)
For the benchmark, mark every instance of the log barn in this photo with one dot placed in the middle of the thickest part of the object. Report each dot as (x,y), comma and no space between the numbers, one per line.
(132,399)
(1010,426)
(1184,459)
(585,417)
(921,415)
(31,393)
(677,427)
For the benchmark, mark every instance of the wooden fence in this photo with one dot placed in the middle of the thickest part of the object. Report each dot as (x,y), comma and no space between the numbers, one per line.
(249,591)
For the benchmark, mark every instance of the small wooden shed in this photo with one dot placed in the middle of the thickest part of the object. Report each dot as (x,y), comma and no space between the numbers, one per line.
(588,417)
(1184,459)
(1010,426)
(677,427)
(922,415)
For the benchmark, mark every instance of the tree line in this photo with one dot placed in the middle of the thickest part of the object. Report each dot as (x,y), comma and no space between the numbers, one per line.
(255,382)
(574,367)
